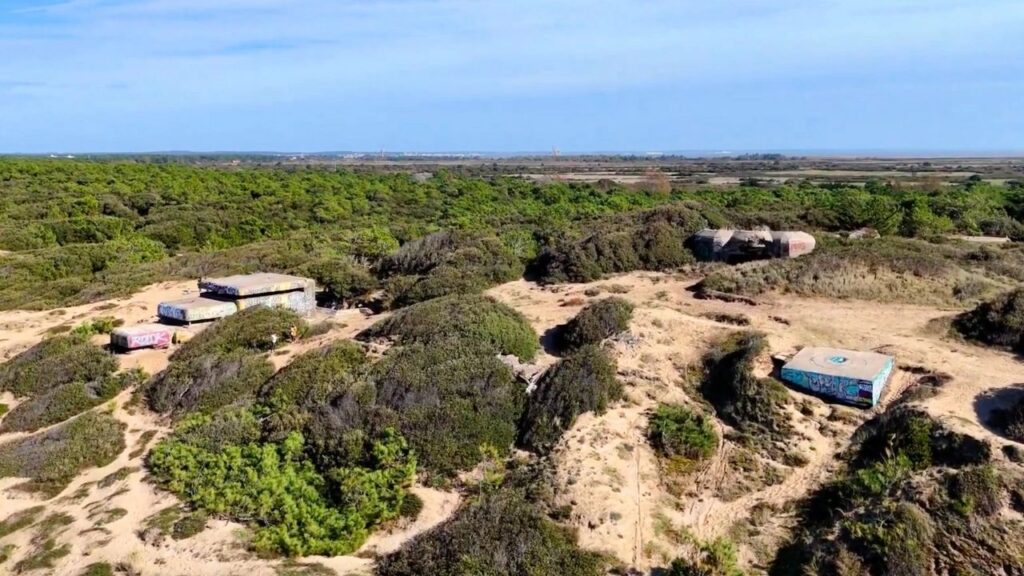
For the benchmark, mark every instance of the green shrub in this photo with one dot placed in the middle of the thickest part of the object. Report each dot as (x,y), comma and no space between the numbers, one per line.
(296,510)
(189,525)
(449,399)
(249,330)
(343,279)
(45,555)
(206,383)
(675,431)
(582,382)
(101,325)
(412,505)
(498,533)
(1010,421)
(469,318)
(596,322)
(67,400)
(977,489)
(998,322)
(920,438)
(752,405)
(52,458)
(53,363)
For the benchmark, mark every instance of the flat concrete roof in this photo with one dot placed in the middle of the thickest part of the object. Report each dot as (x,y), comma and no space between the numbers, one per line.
(838,362)
(252,284)
(140,329)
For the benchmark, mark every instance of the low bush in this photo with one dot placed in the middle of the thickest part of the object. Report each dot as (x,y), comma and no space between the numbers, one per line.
(296,509)
(250,330)
(21,519)
(55,362)
(752,405)
(52,458)
(468,318)
(206,383)
(497,533)
(582,382)
(677,432)
(976,490)
(716,558)
(312,378)
(67,400)
(343,280)
(412,505)
(997,322)
(916,435)
(596,322)
(1010,421)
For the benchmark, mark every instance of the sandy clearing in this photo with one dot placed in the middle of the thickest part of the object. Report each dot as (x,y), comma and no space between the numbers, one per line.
(605,470)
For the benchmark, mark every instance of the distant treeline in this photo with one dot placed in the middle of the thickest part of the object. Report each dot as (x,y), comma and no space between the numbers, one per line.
(79,230)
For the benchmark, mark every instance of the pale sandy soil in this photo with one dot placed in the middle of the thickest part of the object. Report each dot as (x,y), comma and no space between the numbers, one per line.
(610,477)
(606,472)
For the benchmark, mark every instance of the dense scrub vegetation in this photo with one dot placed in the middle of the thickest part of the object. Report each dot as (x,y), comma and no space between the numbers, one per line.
(470,318)
(598,321)
(59,378)
(52,458)
(998,322)
(225,364)
(581,382)
(499,532)
(916,499)
(753,406)
(81,231)
(297,509)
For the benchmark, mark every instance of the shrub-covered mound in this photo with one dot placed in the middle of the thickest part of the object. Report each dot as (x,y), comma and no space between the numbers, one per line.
(998,322)
(752,405)
(67,400)
(582,382)
(206,383)
(884,270)
(53,363)
(468,318)
(1010,420)
(225,364)
(916,499)
(496,533)
(650,240)
(448,398)
(250,330)
(447,263)
(678,432)
(296,508)
(600,320)
(51,459)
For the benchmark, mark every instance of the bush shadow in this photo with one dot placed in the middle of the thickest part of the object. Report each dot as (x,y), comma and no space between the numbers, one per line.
(992,407)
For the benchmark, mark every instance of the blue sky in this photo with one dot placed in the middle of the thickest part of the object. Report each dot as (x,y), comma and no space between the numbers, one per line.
(507,76)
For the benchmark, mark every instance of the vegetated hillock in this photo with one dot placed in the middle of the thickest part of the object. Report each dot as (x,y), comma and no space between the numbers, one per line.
(649,240)
(469,318)
(295,507)
(753,406)
(225,364)
(885,270)
(55,362)
(496,532)
(598,321)
(67,400)
(997,322)
(449,399)
(250,330)
(52,458)
(61,377)
(1009,421)
(447,263)
(917,499)
(582,382)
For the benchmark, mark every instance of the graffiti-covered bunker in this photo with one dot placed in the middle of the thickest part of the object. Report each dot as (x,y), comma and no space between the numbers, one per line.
(222,297)
(850,376)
